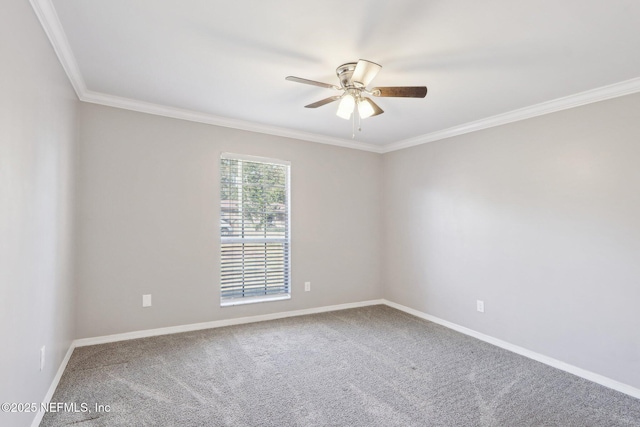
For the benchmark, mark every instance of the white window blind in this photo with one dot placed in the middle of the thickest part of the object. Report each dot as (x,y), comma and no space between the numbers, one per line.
(254,229)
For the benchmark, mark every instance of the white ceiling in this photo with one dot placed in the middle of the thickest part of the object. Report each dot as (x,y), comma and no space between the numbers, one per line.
(225,62)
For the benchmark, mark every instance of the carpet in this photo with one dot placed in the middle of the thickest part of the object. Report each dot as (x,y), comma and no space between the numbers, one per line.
(371,366)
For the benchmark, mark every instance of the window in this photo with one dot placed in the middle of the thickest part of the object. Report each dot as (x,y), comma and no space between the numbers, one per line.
(254,229)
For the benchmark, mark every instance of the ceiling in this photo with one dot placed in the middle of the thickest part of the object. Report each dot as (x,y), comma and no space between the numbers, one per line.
(225,62)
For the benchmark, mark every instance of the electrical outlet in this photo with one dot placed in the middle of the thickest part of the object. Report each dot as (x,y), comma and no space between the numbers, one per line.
(146,300)
(307,286)
(42,354)
(480,306)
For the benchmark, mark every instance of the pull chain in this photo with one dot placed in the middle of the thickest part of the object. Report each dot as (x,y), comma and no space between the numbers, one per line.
(355,113)
(353,123)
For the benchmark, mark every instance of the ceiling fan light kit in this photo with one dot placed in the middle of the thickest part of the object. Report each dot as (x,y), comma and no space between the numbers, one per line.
(354,78)
(346,106)
(365,108)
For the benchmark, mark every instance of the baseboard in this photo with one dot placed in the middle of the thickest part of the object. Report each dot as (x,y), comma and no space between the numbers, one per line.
(583,373)
(217,323)
(54,385)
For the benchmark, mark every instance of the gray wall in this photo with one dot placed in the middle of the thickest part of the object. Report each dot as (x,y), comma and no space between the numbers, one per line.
(540,219)
(148,194)
(37,134)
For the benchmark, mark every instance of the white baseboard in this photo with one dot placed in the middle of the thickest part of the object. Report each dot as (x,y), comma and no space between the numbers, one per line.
(53,386)
(218,323)
(583,373)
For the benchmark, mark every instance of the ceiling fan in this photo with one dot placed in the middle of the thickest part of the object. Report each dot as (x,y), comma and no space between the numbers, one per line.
(354,78)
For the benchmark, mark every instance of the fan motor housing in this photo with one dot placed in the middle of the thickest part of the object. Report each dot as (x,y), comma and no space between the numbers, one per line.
(344,72)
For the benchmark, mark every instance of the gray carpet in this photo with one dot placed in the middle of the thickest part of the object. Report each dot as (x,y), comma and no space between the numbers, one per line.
(372,366)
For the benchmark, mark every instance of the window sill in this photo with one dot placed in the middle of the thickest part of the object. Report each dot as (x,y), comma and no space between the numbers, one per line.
(253,300)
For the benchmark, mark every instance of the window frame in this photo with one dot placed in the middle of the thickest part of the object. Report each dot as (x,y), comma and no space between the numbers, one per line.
(227,302)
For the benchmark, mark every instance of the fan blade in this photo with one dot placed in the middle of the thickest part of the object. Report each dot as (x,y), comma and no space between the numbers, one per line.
(323,102)
(311,82)
(365,72)
(400,91)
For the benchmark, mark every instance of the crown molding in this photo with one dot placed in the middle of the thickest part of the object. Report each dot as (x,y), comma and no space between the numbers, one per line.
(195,116)
(51,25)
(48,17)
(626,87)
